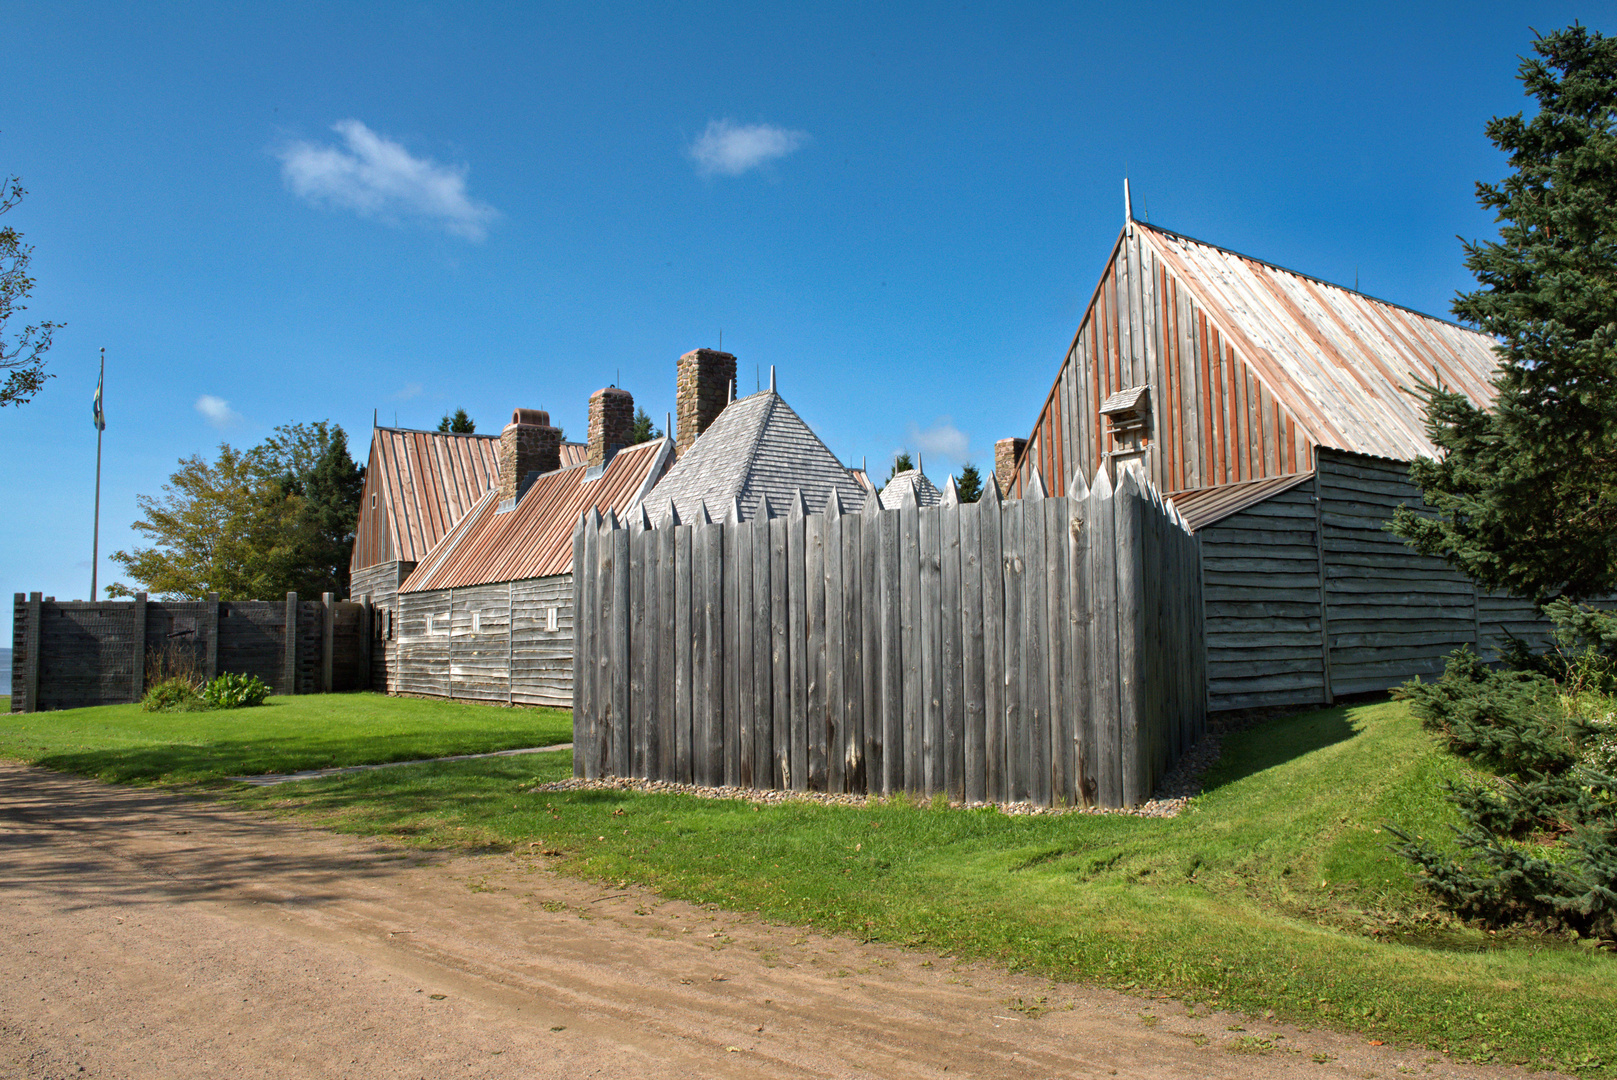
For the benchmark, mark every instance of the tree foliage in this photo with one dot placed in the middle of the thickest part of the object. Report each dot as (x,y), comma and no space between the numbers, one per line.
(22,358)
(253,524)
(969,484)
(643,431)
(902,462)
(1526,492)
(458,423)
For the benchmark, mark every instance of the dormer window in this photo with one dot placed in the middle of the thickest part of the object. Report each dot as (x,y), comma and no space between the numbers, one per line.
(1125,411)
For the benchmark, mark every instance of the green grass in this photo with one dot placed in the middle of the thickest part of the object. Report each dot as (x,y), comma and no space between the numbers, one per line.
(121,744)
(1275,891)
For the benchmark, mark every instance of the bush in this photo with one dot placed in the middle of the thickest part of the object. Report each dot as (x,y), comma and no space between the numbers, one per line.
(232,691)
(173,694)
(1539,843)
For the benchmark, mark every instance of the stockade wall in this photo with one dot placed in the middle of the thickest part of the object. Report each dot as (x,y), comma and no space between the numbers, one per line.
(1044,649)
(72,654)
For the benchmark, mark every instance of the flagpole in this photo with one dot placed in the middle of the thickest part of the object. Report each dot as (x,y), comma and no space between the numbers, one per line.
(95,541)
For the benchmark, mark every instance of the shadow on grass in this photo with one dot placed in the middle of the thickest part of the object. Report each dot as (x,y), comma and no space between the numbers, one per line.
(1275,742)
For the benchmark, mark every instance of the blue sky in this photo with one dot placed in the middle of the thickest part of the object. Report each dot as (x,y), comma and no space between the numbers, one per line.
(272,213)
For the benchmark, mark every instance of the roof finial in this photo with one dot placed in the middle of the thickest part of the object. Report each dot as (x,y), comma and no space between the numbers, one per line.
(1128,206)
(920,462)
(731,396)
(771,378)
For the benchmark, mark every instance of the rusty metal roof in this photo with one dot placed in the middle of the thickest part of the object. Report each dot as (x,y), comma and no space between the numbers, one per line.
(1206,506)
(417,486)
(534,538)
(1346,364)
(573,453)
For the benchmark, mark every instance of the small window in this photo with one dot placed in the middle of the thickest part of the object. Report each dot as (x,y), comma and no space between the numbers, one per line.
(477,622)
(373,500)
(550,619)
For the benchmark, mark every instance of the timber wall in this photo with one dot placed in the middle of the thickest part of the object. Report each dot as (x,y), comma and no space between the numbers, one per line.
(72,654)
(1045,650)
(488,642)
(379,586)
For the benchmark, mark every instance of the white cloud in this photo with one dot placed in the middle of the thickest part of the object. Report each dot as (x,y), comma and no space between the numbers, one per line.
(217,411)
(376,177)
(730,149)
(407,391)
(942,440)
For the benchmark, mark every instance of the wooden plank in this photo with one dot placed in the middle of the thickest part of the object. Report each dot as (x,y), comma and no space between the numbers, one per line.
(619,654)
(1078,727)
(953,662)
(1014,727)
(852,748)
(763,730)
(1057,600)
(780,655)
(730,659)
(667,718)
(797,614)
(684,661)
(137,650)
(740,632)
(1101,570)
(931,612)
(972,694)
(836,595)
(910,650)
(869,780)
(289,667)
(1130,632)
(1034,756)
(815,677)
(642,647)
(600,650)
(713,718)
(701,652)
(990,525)
(889,594)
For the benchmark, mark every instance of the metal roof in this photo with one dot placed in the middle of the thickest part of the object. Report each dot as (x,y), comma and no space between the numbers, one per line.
(926,492)
(417,486)
(1206,506)
(534,538)
(1346,364)
(756,447)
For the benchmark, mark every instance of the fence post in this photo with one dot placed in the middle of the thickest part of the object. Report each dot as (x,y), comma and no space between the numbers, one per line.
(328,642)
(581,579)
(1131,599)
(289,670)
(210,648)
(138,647)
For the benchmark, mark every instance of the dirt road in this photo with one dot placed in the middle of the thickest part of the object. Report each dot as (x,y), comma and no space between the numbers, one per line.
(143,934)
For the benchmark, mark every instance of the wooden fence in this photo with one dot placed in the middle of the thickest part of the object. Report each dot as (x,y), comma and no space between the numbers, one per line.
(1044,649)
(70,654)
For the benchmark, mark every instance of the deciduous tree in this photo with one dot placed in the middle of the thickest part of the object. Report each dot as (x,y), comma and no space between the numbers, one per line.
(22,352)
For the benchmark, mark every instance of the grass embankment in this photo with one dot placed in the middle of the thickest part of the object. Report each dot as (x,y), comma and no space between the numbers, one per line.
(121,744)
(1274,891)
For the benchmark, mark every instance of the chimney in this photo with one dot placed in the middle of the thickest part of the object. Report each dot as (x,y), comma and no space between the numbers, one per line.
(528,444)
(611,424)
(701,391)
(1006,451)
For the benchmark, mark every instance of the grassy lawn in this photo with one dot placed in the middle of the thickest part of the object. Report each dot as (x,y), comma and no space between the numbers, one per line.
(121,744)
(1275,891)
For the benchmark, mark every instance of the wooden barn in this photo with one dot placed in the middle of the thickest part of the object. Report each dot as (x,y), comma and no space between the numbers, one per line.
(1279,412)
(418,485)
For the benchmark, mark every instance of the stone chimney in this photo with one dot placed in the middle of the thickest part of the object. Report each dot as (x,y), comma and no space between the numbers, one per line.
(1006,451)
(701,392)
(528,444)
(611,424)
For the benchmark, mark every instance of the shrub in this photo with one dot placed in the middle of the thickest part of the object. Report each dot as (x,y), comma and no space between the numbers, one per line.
(173,694)
(1539,842)
(232,691)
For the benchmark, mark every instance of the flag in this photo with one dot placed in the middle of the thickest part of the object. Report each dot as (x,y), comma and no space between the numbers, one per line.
(100,417)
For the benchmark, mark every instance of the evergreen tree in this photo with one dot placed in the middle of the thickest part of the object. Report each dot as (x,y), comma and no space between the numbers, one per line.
(969,485)
(458,424)
(1526,492)
(643,430)
(902,462)
(329,492)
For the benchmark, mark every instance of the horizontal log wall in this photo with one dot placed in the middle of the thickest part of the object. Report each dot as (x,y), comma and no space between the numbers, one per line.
(380,584)
(73,654)
(488,642)
(1045,650)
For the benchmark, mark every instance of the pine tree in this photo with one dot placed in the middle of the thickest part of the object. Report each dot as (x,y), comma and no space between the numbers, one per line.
(643,431)
(969,485)
(902,462)
(458,424)
(1526,492)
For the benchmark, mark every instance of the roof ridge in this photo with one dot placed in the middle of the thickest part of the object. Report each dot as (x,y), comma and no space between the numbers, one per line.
(771,399)
(430,431)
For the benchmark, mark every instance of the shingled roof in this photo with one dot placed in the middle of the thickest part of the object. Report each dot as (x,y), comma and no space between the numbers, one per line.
(756,447)
(534,538)
(926,492)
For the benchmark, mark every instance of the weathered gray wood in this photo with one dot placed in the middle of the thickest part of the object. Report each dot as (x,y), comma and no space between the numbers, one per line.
(738,630)
(700,651)
(31,684)
(990,527)
(952,670)
(914,705)
(890,591)
(870,644)
(797,618)
(1102,575)
(852,748)
(210,642)
(666,710)
(639,637)
(835,594)
(781,655)
(684,660)
(1130,581)
(931,611)
(762,774)
(1033,757)
(730,659)
(814,651)
(1057,742)
(582,665)
(1324,629)
(137,640)
(1079,724)
(289,672)
(328,638)
(713,718)
(1013,750)
(600,637)
(974,723)
(619,653)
